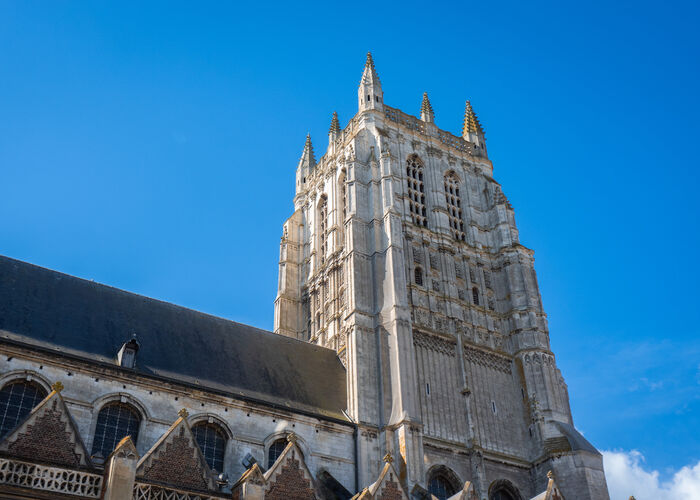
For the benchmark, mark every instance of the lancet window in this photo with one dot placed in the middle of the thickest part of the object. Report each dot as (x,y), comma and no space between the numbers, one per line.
(454,206)
(416,190)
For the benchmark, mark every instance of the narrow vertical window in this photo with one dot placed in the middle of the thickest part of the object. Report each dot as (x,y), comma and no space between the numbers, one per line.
(323,227)
(416,190)
(475,296)
(418,276)
(454,206)
(343,196)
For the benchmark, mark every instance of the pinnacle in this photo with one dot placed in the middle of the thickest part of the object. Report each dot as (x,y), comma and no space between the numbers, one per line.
(307,157)
(335,124)
(426,109)
(370,76)
(471,122)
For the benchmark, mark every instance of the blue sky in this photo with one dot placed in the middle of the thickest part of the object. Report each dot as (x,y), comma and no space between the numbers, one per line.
(152,147)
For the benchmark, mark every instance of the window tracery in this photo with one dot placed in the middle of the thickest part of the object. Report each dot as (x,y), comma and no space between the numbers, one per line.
(454,206)
(416,190)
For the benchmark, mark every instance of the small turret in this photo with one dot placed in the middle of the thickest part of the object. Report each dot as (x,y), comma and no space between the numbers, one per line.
(369,94)
(426,110)
(333,132)
(306,163)
(472,130)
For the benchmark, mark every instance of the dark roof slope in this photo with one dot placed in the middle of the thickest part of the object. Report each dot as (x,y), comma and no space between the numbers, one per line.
(73,316)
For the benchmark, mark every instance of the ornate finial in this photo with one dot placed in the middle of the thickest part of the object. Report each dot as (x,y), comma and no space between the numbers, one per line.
(57,386)
(369,61)
(426,110)
(291,437)
(335,124)
(388,458)
(183,413)
(550,475)
(471,122)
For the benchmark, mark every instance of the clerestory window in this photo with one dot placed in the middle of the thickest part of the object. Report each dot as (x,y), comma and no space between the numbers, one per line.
(114,422)
(211,439)
(17,400)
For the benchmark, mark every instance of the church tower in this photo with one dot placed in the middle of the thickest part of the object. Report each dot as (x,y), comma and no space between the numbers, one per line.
(402,254)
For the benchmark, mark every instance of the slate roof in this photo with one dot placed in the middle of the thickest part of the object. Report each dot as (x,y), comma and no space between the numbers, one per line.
(75,317)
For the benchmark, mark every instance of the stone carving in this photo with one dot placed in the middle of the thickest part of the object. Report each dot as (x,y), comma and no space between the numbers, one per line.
(488,359)
(434,343)
(417,255)
(434,261)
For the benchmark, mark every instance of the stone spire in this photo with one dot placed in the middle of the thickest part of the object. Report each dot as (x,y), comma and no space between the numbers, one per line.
(369,94)
(307,161)
(471,122)
(426,110)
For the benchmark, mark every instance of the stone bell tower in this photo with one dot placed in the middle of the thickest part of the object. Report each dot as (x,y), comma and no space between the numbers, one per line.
(402,254)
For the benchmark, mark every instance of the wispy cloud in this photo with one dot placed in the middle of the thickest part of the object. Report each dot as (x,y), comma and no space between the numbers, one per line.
(626,476)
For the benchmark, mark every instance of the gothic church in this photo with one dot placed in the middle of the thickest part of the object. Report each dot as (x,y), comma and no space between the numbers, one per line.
(410,357)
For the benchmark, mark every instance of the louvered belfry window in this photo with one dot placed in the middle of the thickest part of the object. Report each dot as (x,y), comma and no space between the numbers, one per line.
(454,206)
(416,190)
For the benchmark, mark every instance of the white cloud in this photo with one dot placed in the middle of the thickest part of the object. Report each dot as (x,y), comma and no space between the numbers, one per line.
(627,476)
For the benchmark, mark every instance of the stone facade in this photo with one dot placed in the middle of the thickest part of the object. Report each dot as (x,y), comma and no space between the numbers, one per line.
(403,255)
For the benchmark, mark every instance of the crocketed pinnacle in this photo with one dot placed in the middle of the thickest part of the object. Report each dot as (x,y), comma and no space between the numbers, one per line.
(370,76)
(471,122)
(335,124)
(307,157)
(426,110)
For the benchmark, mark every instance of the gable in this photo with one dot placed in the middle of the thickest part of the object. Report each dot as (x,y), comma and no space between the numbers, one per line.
(48,435)
(289,478)
(176,461)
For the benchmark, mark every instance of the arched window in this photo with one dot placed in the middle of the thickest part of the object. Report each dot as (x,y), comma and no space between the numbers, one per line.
(416,190)
(418,276)
(275,450)
(440,486)
(323,227)
(454,206)
(475,296)
(211,439)
(17,399)
(114,422)
(503,490)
